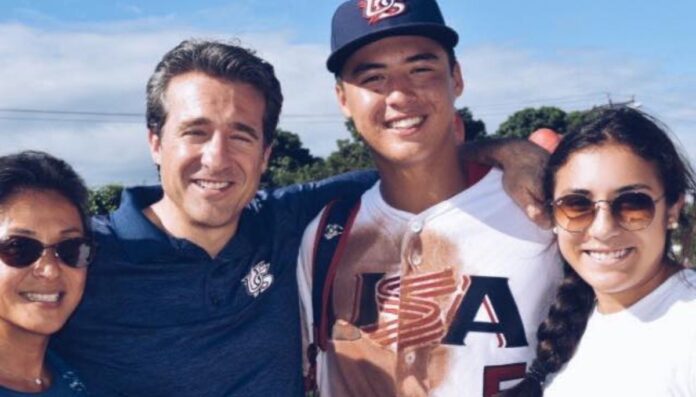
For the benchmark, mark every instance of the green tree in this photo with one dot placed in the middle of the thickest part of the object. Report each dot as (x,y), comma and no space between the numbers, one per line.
(475,129)
(289,162)
(522,123)
(577,118)
(352,154)
(104,199)
(292,163)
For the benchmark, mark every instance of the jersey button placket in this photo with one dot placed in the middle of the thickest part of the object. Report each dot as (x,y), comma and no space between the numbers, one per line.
(414,249)
(416,226)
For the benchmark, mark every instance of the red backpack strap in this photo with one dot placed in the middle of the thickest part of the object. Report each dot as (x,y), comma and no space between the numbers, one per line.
(329,243)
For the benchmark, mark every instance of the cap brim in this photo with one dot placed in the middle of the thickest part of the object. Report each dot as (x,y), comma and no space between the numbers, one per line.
(440,33)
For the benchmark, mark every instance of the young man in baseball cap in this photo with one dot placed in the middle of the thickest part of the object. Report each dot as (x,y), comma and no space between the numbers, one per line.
(440,281)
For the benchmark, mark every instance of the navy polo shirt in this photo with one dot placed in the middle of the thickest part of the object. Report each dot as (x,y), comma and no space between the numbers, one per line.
(160,317)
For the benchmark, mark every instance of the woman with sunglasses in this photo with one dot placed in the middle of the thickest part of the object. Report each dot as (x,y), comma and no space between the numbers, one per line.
(623,322)
(45,248)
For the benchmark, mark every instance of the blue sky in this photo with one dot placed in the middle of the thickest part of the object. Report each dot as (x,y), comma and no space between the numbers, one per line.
(97,55)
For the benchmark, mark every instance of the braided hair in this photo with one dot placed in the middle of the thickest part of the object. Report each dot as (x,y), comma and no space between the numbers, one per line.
(560,333)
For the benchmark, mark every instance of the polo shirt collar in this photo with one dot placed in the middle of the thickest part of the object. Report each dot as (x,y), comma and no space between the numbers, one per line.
(144,242)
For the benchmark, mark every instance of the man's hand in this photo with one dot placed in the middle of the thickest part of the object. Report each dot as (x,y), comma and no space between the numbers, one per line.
(523,165)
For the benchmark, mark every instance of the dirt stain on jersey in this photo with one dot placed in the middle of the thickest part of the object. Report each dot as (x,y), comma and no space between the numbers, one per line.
(421,368)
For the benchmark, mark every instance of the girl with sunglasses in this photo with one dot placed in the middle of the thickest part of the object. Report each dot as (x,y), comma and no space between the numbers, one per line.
(45,248)
(623,322)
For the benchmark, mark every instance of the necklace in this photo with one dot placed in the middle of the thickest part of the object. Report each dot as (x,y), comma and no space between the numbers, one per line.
(38,381)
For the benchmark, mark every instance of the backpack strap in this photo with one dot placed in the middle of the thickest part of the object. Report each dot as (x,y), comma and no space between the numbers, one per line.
(330,241)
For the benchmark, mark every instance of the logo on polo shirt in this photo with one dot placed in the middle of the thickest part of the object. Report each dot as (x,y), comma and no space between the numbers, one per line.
(376,10)
(74,383)
(259,279)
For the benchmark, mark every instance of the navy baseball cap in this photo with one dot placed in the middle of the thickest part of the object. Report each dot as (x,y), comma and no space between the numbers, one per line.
(357,23)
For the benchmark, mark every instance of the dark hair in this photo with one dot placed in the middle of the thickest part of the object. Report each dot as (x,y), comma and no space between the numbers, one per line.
(33,170)
(561,331)
(224,61)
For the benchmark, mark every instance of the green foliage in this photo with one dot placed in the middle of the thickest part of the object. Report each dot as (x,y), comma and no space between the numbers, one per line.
(352,154)
(290,161)
(475,129)
(521,124)
(104,199)
(577,118)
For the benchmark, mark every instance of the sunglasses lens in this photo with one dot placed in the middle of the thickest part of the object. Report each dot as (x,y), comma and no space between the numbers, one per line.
(76,252)
(20,251)
(574,212)
(633,211)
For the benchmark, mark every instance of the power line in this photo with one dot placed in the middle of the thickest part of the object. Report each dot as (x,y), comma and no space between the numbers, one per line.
(550,100)
(42,119)
(332,120)
(70,112)
(569,98)
(483,110)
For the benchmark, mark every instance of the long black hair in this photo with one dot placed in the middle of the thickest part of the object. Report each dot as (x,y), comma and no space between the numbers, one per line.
(561,331)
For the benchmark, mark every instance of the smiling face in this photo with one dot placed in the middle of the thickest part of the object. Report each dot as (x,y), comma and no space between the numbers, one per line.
(39,298)
(210,151)
(400,92)
(621,266)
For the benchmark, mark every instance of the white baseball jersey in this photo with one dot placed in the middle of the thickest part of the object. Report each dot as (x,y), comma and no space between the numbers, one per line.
(442,303)
(646,350)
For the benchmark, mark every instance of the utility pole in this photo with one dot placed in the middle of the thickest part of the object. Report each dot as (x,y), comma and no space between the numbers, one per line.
(632,103)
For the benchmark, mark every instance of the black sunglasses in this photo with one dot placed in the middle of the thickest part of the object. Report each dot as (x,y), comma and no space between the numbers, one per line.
(21,251)
(633,211)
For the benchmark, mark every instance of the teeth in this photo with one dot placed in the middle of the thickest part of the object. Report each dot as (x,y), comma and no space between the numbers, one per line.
(212,184)
(608,255)
(37,297)
(406,123)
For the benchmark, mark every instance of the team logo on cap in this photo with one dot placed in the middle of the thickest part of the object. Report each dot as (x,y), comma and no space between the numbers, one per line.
(376,10)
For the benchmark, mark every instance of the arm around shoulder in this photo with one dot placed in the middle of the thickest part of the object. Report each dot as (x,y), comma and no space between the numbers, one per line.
(522,163)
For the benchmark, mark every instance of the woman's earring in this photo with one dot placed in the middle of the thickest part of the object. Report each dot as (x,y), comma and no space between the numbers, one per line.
(673,225)
(555,230)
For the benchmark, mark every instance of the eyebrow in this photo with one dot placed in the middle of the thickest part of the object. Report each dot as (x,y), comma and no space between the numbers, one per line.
(627,188)
(637,186)
(236,125)
(198,121)
(424,56)
(367,66)
(364,67)
(246,128)
(20,230)
(29,232)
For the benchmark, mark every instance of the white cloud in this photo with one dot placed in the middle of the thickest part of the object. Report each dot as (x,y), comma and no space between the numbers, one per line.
(501,80)
(102,153)
(105,68)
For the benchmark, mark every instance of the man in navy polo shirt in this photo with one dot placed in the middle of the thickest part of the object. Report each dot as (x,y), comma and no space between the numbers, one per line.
(193,290)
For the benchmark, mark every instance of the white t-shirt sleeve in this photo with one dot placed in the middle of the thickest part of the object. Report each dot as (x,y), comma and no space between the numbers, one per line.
(304,283)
